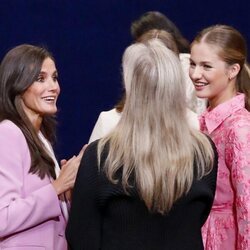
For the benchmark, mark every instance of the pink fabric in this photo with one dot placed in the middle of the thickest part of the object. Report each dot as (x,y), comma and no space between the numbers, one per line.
(30,214)
(228,225)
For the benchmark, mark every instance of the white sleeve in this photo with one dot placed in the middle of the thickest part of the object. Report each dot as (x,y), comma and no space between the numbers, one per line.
(97,132)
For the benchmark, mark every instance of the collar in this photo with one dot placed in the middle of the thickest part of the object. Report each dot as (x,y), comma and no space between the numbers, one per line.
(211,119)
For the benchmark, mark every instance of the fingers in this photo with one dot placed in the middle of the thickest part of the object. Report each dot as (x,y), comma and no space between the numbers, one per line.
(69,169)
(68,195)
(82,151)
(63,162)
(79,156)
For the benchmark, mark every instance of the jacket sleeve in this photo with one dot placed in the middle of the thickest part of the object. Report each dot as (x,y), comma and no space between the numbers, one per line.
(20,211)
(239,151)
(84,227)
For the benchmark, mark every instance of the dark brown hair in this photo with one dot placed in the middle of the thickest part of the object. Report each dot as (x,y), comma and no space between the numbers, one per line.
(156,20)
(18,70)
(166,38)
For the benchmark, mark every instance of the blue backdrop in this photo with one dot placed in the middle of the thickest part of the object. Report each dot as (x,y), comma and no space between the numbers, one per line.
(88,38)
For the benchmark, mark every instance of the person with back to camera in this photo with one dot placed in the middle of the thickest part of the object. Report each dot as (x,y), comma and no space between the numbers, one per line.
(150,183)
(33,207)
(169,42)
(219,70)
(157,20)
(107,120)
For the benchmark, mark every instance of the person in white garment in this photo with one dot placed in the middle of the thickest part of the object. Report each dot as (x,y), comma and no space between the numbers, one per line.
(107,120)
(142,30)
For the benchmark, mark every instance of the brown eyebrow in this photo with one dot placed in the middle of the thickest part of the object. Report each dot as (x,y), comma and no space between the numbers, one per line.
(43,72)
(202,62)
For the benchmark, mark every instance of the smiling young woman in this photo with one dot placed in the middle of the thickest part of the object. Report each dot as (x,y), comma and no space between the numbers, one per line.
(220,73)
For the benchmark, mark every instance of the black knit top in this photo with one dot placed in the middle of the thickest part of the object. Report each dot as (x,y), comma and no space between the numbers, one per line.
(104,217)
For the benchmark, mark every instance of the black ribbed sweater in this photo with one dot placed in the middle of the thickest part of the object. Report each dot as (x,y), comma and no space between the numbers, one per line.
(104,217)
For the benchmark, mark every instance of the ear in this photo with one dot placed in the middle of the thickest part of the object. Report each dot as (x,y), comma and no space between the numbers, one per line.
(233,71)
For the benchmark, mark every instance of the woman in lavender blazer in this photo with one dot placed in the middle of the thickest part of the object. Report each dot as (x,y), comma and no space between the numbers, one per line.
(33,205)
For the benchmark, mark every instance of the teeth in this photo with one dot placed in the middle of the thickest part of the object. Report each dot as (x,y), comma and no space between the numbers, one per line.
(200,84)
(49,98)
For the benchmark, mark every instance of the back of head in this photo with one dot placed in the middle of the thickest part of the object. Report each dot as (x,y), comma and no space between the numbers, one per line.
(156,20)
(153,139)
(232,49)
(165,37)
(152,70)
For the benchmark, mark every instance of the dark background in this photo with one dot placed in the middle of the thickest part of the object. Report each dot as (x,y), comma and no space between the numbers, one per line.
(88,38)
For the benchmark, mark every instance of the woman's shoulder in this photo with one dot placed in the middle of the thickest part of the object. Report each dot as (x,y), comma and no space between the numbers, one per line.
(11,137)
(9,128)
(106,121)
(90,152)
(238,120)
(237,126)
(110,115)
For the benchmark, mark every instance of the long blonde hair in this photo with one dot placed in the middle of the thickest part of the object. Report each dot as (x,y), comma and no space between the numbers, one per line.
(153,141)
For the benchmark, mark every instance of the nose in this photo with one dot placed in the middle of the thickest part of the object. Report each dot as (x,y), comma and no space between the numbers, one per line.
(195,73)
(54,85)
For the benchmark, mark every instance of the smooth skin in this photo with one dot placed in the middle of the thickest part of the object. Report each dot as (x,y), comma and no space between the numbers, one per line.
(39,100)
(212,77)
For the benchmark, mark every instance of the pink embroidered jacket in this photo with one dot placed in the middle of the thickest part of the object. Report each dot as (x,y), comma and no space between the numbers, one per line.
(30,214)
(228,225)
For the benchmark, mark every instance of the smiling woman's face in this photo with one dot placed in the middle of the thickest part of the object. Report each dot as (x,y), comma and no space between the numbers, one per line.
(210,74)
(40,98)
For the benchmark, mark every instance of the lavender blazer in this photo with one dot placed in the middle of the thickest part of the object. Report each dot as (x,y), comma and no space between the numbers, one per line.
(30,214)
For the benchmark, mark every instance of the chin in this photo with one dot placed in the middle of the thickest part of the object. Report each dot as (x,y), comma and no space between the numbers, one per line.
(202,95)
(50,112)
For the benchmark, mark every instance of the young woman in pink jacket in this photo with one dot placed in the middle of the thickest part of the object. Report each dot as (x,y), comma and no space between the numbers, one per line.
(220,73)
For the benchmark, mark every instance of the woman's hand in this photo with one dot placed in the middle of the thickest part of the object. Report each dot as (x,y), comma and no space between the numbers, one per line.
(67,176)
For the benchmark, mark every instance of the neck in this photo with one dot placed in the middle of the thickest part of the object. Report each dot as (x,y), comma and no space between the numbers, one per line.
(217,101)
(223,96)
(36,122)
